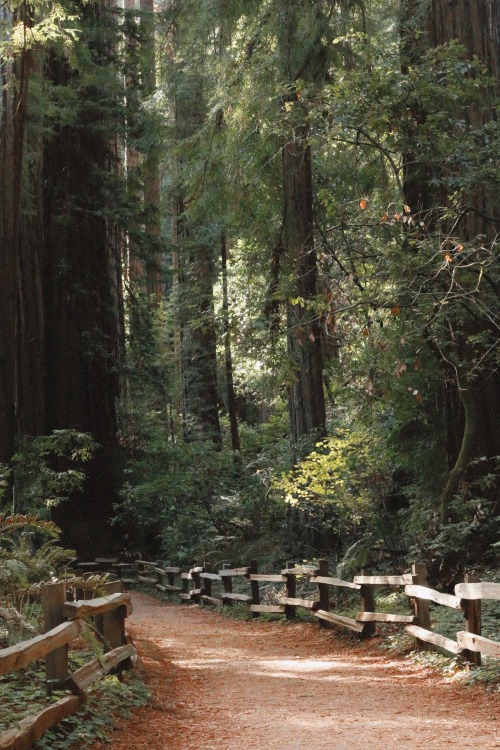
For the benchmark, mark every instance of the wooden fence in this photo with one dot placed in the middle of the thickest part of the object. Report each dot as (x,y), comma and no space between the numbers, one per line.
(197,585)
(65,618)
(66,612)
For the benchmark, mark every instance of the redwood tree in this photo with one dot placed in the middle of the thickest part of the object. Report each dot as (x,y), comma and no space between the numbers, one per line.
(81,280)
(195,249)
(456,201)
(301,62)
(14,80)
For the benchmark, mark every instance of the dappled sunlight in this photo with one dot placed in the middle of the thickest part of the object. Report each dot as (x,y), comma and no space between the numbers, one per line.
(298,665)
(200,664)
(362,671)
(365,670)
(391,725)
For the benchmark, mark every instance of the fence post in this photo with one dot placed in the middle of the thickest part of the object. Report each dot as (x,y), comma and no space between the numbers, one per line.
(171,579)
(368,605)
(112,587)
(207,582)
(195,575)
(421,606)
(113,623)
(472,613)
(159,580)
(323,591)
(227,583)
(185,586)
(254,585)
(291,591)
(113,628)
(53,598)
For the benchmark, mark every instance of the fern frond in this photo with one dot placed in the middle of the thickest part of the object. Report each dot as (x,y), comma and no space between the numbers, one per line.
(17,521)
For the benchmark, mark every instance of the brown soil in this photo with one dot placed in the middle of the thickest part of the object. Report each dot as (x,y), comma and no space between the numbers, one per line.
(221,684)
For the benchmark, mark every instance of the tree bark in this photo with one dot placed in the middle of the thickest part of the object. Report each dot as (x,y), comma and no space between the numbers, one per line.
(477,27)
(306,391)
(226,332)
(14,79)
(196,272)
(83,324)
(470,330)
(151,169)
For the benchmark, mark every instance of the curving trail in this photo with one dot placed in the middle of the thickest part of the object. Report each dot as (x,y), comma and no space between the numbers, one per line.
(221,684)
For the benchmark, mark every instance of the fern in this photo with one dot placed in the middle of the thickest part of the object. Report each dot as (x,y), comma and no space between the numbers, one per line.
(12,523)
(24,560)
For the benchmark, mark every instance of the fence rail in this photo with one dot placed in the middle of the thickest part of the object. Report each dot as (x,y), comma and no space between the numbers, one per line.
(66,612)
(64,621)
(196,585)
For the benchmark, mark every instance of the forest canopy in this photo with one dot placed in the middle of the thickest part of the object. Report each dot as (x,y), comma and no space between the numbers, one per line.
(249,285)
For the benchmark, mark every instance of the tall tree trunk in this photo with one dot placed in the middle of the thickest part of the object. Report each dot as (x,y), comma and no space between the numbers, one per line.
(226,332)
(151,169)
(306,392)
(198,342)
(82,322)
(477,27)
(196,273)
(471,330)
(30,347)
(14,78)
(132,261)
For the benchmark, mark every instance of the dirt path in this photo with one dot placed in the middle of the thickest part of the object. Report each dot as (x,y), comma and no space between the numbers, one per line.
(220,684)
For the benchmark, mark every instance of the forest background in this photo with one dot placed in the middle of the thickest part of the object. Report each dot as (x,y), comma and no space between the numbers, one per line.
(249,279)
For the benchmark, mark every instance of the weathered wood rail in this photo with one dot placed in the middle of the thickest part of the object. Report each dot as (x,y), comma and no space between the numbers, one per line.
(197,585)
(65,619)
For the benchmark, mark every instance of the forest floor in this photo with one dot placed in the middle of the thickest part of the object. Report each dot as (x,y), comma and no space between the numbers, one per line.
(224,684)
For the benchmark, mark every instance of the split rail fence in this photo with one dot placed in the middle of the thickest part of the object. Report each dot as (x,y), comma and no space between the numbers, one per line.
(197,584)
(65,618)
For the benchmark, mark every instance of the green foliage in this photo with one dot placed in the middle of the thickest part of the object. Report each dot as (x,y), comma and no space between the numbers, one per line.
(23,693)
(36,482)
(467,537)
(40,475)
(348,470)
(487,674)
(344,484)
(24,558)
(171,503)
(109,699)
(398,287)
(185,514)
(46,22)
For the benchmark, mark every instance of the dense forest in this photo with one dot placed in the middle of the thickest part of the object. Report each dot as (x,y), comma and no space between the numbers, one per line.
(249,279)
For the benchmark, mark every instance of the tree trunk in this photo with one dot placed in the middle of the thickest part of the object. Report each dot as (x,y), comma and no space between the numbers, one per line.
(470,328)
(306,394)
(226,332)
(477,27)
(30,347)
(306,391)
(480,397)
(132,261)
(154,275)
(83,335)
(14,78)
(198,344)
(196,274)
